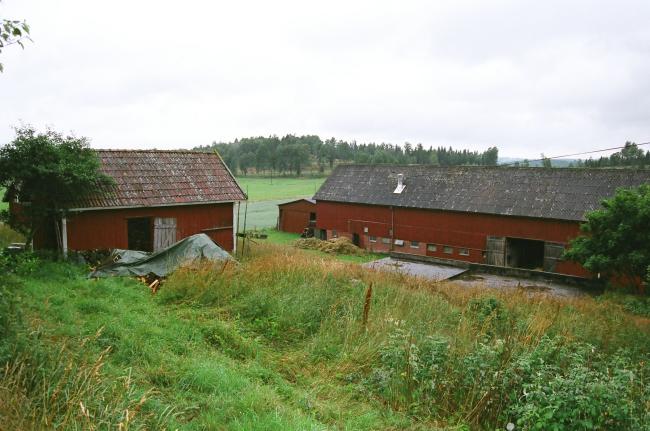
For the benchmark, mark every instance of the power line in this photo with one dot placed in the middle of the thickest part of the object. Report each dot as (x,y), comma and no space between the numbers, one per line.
(575,154)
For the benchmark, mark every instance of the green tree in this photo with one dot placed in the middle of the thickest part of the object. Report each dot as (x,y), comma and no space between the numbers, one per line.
(45,172)
(616,238)
(546,162)
(12,32)
(246,161)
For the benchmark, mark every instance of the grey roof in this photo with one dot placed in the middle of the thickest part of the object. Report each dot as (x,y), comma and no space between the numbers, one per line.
(310,200)
(556,193)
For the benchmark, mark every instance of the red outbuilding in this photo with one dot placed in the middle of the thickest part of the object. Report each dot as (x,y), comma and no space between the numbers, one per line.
(159,197)
(512,217)
(297,215)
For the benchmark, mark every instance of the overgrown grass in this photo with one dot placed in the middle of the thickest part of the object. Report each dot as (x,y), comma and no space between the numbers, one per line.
(279,342)
(267,188)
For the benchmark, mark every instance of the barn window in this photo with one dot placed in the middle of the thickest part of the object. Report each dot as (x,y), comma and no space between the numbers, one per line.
(448,250)
(463,251)
(373,238)
(432,247)
(334,234)
(385,240)
(399,242)
(415,244)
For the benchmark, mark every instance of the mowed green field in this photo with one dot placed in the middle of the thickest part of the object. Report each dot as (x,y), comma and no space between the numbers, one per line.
(264,195)
(266,188)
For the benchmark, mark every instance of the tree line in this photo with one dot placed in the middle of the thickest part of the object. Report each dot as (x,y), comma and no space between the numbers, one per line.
(292,154)
(630,156)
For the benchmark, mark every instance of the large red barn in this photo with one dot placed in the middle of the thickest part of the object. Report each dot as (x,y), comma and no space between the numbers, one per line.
(513,217)
(159,197)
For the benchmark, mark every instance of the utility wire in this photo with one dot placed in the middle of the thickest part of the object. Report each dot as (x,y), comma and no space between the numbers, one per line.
(573,155)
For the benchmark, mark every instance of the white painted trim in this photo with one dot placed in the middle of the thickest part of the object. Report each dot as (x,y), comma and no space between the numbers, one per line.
(64,236)
(149,206)
(235,225)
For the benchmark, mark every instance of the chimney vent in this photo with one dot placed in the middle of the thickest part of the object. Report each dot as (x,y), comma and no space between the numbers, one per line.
(400,184)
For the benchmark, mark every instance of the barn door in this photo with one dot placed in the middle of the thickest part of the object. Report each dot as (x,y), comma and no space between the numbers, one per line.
(496,250)
(164,232)
(552,253)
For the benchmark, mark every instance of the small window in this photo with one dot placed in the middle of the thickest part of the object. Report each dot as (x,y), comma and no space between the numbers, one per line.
(432,247)
(463,251)
(365,229)
(415,244)
(448,250)
(334,234)
(385,240)
(399,242)
(373,238)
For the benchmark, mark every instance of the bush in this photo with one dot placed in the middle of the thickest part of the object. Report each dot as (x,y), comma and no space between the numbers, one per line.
(589,392)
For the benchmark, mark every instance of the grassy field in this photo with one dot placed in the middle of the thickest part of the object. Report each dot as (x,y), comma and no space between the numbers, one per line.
(289,340)
(260,214)
(279,188)
(266,193)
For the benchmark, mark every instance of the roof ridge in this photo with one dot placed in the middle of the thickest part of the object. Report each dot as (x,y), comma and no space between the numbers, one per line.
(115,150)
(536,168)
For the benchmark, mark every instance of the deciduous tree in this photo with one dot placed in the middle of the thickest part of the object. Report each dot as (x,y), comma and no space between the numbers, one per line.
(12,32)
(616,238)
(45,172)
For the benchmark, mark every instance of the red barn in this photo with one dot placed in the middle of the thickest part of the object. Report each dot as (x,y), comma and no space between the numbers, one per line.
(297,215)
(513,217)
(159,197)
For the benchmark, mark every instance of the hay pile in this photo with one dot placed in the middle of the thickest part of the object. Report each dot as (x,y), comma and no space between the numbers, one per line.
(333,246)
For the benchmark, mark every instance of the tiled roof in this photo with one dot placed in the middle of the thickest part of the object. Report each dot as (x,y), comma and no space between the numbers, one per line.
(145,178)
(564,194)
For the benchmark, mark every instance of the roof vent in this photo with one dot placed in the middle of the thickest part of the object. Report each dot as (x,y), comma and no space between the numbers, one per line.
(400,184)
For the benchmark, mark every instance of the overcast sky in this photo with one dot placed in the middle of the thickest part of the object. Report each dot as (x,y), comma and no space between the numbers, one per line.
(527,76)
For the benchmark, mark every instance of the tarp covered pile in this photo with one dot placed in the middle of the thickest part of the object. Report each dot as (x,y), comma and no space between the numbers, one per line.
(138,263)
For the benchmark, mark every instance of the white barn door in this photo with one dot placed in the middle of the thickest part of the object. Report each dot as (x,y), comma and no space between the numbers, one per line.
(164,232)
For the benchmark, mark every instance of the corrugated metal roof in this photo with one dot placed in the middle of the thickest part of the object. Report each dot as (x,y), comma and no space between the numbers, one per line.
(145,178)
(563,194)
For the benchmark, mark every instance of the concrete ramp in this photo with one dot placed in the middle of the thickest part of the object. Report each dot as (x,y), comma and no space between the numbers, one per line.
(431,271)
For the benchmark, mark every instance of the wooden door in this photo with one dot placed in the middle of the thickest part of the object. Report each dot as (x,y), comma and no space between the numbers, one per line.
(164,232)
(552,253)
(496,250)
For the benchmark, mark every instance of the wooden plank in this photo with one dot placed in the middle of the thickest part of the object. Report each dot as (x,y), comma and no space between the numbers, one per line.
(496,250)
(164,232)
(552,253)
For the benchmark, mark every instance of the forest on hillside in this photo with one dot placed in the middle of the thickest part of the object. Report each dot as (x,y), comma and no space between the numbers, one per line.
(293,154)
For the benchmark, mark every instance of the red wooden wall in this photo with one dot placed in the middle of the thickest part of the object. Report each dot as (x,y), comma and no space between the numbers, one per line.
(456,229)
(108,228)
(294,216)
